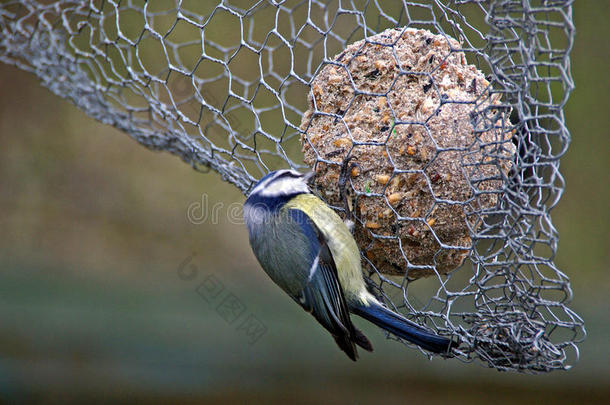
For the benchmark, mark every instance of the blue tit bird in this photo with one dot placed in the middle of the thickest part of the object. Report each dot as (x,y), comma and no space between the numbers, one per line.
(307,250)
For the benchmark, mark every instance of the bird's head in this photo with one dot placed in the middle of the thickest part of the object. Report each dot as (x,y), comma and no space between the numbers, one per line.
(277,188)
(283,184)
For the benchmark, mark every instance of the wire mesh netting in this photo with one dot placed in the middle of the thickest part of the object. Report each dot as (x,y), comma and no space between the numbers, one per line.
(447,117)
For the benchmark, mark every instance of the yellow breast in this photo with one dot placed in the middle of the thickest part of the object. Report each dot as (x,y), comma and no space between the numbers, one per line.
(340,242)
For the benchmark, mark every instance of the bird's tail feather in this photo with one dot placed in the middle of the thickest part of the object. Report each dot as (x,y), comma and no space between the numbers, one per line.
(403,328)
(361,340)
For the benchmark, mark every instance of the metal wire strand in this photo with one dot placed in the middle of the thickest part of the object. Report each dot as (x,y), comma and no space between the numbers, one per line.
(224,87)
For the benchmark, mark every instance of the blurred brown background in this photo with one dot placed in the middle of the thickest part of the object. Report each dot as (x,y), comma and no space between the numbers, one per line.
(95,302)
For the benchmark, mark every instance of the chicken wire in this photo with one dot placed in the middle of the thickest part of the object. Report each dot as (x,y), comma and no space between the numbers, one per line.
(225,87)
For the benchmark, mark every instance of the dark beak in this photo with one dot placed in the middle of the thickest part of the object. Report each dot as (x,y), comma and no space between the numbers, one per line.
(308,176)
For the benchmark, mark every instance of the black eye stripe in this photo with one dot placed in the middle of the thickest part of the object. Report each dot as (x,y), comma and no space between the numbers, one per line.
(274,177)
(283,175)
(294,175)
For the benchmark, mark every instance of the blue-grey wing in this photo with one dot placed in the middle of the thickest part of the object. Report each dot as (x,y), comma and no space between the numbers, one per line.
(322,295)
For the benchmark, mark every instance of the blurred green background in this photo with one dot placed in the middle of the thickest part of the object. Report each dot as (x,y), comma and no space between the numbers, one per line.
(94,302)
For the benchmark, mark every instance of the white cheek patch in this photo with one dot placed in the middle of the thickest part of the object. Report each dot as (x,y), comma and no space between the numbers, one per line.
(276,186)
(262,186)
(284,186)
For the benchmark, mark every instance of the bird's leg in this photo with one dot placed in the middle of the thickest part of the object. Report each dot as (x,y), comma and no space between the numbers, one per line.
(346,169)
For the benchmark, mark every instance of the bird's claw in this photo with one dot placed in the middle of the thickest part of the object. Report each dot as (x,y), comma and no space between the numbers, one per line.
(346,169)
